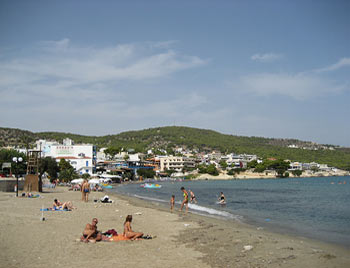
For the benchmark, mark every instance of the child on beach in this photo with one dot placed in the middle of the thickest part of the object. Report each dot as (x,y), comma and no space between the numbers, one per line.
(172,202)
(185,201)
(193,197)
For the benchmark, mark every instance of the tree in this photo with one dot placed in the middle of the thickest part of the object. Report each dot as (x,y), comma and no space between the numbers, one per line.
(297,172)
(67,175)
(146,173)
(169,172)
(202,168)
(63,164)
(67,172)
(252,164)
(86,176)
(223,164)
(231,172)
(7,155)
(211,169)
(112,151)
(49,165)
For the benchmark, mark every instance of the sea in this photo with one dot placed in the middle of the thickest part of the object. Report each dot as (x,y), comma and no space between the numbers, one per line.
(316,208)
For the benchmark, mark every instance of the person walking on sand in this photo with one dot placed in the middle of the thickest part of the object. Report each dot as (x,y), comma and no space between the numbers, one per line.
(85,189)
(128,232)
(193,197)
(185,201)
(172,202)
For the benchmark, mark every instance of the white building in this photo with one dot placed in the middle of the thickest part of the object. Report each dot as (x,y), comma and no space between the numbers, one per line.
(171,162)
(81,156)
(296,166)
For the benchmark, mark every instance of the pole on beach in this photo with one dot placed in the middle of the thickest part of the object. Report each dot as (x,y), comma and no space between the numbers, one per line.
(17,160)
(42,213)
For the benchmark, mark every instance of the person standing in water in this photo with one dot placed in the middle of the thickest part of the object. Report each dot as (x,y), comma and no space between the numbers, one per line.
(185,201)
(193,197)
(172,202)
(222,199)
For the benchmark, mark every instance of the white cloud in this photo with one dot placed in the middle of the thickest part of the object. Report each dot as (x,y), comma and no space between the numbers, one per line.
(267,57)
(61,66)
(297,86)
(344,62)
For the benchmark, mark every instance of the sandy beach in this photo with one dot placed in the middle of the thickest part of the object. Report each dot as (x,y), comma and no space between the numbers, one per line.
(178,239)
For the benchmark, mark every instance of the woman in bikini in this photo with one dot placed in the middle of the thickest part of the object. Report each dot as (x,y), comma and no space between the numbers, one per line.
(128,232)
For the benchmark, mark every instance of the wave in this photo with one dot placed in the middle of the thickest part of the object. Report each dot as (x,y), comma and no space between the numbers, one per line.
(196,208)
(215,212)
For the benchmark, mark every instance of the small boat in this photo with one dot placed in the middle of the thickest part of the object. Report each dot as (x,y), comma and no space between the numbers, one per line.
(151,185)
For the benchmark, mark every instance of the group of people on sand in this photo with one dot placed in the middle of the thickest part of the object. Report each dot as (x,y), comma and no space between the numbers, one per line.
(185,200)
(186,194)
(91,234)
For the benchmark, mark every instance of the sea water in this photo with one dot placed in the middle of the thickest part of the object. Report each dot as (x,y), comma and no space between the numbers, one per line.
(317,208)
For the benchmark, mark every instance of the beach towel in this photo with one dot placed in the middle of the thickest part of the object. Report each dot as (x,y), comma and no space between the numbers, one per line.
(119,237)
(51,209)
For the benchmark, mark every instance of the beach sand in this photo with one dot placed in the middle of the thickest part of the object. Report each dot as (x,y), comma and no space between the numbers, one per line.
(179,239)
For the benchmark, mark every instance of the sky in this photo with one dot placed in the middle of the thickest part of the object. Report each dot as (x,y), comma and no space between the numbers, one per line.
(276,69)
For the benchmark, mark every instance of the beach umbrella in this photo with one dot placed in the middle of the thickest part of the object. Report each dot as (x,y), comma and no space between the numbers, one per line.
(105,180)
(77,181)
(94,181)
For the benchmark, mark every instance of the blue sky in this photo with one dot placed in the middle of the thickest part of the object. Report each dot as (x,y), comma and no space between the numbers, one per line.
(253,68)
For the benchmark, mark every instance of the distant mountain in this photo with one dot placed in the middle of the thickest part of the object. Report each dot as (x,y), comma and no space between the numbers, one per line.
(197,139)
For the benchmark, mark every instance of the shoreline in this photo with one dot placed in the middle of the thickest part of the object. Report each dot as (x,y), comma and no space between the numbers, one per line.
(224,231)
(180,238)
(253,175)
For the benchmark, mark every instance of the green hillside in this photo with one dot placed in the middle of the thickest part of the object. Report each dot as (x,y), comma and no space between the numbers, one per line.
(193,138)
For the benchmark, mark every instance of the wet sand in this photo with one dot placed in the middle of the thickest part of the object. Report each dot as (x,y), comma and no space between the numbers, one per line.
(180,239)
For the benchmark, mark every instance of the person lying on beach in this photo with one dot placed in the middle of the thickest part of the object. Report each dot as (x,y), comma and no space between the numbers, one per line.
(128,232)
(185,201)
(90,233)
(58,205)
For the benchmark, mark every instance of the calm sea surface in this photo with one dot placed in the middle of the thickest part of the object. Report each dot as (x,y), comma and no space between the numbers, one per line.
(317,208)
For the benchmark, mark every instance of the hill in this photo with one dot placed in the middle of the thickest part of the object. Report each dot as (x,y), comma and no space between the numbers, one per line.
(196,139)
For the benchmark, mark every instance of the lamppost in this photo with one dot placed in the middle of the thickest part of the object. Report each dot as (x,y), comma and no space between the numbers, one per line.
(17,160)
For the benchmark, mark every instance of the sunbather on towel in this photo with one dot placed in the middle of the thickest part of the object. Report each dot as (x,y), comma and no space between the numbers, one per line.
(128,232)
(58,205)
(90,232)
